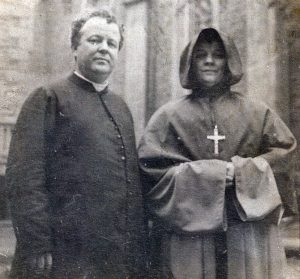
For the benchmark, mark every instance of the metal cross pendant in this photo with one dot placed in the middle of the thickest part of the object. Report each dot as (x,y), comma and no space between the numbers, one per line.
(216,137)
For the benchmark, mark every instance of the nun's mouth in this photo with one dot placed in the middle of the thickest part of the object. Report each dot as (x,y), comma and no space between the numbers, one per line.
(210,72)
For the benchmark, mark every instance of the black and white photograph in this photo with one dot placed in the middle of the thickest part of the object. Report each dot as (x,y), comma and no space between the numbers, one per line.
(149,139)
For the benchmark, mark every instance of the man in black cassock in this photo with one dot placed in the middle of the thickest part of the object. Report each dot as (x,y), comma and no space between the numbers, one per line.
(216,173)
(72,171)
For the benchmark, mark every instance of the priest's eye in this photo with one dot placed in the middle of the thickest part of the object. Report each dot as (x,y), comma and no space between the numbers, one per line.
(112,44)
(93,41)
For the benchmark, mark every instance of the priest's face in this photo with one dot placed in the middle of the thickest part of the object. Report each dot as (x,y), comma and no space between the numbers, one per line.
(208,63)
(98,48)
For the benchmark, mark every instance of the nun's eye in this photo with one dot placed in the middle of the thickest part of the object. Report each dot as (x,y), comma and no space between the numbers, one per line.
(201,54)
(219,54)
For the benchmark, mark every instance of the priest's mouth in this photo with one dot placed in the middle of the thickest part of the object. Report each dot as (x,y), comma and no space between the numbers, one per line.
(101,59)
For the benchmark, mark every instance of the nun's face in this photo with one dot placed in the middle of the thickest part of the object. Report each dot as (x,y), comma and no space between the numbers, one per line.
(208,63)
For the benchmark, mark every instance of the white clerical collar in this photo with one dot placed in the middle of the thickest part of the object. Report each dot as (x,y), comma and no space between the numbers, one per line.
(98,86)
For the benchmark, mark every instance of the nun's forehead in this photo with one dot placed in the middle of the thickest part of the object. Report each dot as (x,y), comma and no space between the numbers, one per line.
(214,44)
(210,36)
(204,45)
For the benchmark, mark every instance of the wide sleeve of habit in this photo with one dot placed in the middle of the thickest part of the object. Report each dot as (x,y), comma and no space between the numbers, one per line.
(264,183)
(188,196)
(26,174)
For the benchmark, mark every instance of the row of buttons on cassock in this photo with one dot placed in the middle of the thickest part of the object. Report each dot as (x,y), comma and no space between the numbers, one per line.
(119,136)
(123,158)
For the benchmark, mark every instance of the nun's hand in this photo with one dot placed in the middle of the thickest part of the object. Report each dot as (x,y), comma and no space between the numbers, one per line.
(229,175)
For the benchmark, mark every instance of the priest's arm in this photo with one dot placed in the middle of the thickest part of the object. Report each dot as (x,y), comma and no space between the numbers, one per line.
(26,175)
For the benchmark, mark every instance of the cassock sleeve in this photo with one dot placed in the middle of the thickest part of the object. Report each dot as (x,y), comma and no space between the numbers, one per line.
(264,183)
(188,197)
(26,174)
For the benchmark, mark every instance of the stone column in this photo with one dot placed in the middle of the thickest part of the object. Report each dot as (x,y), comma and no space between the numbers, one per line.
(133,64)
(267,77)
(282,93)
(160,61)
(233,21)
(51,49)
(259,66)
(172,25)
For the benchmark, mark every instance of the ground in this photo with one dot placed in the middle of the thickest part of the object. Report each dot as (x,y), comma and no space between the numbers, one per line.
(7,244)
(290,233)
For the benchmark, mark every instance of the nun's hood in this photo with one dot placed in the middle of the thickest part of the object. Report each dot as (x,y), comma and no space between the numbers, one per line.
(233,61)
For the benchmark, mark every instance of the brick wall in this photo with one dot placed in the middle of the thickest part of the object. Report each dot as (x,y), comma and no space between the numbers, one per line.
(16,36)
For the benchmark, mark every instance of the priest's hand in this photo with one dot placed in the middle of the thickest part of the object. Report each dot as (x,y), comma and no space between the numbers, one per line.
(229,175)
(41,264)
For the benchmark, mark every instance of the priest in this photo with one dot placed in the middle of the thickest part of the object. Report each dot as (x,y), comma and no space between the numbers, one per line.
(215,172)
(72,173)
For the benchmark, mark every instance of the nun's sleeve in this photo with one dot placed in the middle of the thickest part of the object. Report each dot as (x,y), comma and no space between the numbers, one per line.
(264,184)
(188,197)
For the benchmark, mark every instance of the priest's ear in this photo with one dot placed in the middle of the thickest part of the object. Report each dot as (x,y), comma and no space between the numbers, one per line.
(74,52)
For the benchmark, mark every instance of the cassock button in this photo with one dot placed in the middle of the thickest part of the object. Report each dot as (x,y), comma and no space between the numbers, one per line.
(122,146)
(123,158)
(119,136)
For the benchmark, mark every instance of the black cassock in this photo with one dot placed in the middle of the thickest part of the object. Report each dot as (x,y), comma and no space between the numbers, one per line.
(74,184)
(198,227)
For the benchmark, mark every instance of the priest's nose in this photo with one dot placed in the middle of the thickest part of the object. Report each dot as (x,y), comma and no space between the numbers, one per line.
(103,46)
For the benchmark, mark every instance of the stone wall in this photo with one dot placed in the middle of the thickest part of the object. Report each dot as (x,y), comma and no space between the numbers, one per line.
(16,39)
(15,52)
(292,26)
(35,49)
